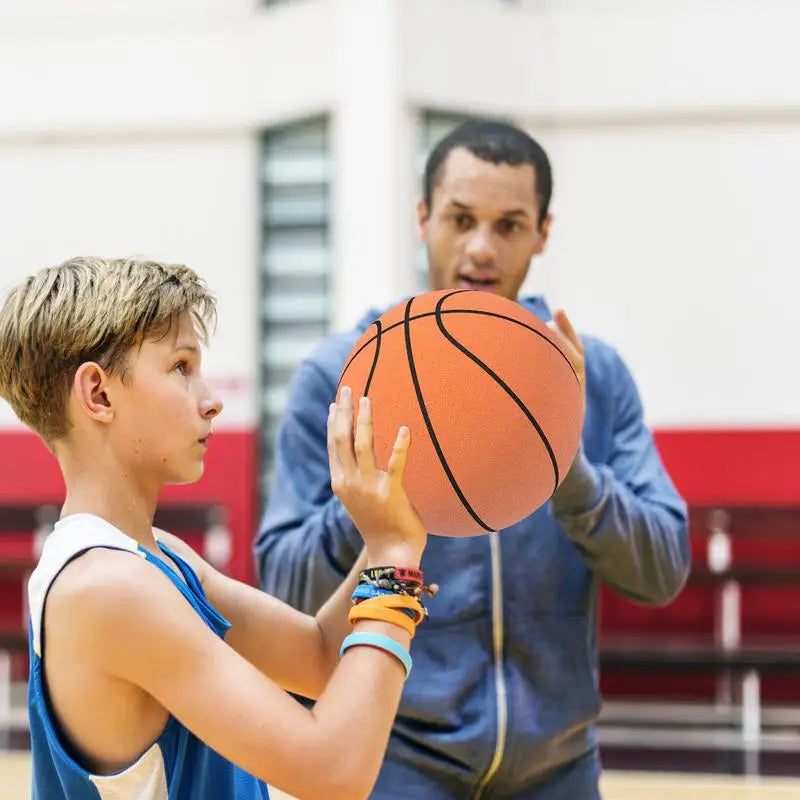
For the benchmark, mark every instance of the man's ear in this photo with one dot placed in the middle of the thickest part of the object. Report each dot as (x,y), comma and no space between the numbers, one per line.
(90,388)
(423,214)
(544,233)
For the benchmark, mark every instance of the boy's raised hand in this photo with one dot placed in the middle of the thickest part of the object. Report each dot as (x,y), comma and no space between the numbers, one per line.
(376,501)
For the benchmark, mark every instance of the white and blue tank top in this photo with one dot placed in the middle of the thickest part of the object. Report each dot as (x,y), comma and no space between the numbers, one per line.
(177,766)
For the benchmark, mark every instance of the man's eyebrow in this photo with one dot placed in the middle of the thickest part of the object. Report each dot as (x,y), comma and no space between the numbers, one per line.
(514,212)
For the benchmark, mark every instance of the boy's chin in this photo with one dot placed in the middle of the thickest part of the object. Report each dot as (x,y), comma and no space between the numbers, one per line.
(191,474)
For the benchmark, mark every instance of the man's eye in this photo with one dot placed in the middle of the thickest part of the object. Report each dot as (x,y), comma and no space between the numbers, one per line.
(509,225)
(462,221)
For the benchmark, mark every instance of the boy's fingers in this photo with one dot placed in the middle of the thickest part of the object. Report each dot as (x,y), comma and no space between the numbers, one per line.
(364,446)
(333,458)
(399,456)
(343,431)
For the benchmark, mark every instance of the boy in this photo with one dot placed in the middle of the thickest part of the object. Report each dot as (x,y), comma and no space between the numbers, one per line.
(152,674)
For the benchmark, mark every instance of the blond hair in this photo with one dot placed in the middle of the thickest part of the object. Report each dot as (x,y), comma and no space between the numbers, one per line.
(87,309)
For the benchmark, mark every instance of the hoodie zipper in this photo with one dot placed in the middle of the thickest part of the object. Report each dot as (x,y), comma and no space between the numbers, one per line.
(499,673)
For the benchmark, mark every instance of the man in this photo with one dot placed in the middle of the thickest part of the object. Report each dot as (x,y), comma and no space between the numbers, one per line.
(504,694)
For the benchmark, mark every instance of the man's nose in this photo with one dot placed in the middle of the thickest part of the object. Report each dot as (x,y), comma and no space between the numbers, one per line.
(480,247)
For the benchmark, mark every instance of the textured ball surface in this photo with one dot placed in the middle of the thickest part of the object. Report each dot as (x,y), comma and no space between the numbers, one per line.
(493,404)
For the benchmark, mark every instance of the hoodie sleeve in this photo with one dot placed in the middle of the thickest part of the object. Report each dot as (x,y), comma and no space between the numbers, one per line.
(625,516)
(306,543)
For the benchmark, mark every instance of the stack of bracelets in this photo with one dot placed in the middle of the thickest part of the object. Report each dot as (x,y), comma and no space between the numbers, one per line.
(389,594)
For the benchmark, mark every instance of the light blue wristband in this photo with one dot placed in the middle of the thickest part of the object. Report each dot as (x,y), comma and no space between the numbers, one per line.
(382,642)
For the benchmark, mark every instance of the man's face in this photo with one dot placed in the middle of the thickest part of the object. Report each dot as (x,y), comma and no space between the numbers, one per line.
(482,228)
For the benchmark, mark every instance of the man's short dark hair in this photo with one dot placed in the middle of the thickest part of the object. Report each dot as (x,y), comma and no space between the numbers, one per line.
(498,143)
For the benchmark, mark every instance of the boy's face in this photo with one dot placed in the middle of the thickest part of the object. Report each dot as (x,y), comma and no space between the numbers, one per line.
(482,228)
(163,409)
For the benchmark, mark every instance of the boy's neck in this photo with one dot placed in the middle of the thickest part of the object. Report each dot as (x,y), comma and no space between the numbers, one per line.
(107,492)
(132,521)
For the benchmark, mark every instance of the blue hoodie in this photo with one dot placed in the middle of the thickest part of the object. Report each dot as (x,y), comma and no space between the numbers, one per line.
(503,696)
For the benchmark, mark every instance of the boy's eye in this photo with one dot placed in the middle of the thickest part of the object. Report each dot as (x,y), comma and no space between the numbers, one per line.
(182,367)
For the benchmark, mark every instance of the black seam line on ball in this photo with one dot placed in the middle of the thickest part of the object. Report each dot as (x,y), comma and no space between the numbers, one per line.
(502,384)
(429,425)
(467,311)
(377,339)
(374,357)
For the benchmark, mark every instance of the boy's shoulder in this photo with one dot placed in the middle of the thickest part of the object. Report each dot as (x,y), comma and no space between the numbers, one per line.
(100,589)
(101,572)
(72,563)
(90,575)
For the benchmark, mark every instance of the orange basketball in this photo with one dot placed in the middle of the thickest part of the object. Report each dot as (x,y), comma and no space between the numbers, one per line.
(492,402)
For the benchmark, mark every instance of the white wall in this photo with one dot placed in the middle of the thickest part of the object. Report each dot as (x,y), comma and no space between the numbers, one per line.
(553,60)
(165,72)
(39,16)
(186,199)
(676,243)
(374,139)
(673,127)
(684,56)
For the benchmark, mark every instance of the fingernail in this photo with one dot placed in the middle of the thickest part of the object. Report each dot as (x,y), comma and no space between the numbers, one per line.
(363,403)
(345,392)
(404,431)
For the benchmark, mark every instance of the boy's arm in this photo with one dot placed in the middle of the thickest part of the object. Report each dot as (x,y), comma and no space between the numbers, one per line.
(309,646)
(137,628)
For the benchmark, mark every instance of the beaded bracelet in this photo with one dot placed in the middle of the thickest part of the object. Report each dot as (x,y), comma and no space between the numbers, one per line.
(380,641)
(399,580)
(404,574)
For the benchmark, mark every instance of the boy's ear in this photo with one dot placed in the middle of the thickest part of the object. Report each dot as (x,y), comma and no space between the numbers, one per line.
(91,392)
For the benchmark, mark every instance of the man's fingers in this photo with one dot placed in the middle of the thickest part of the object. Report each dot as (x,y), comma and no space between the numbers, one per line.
(569,341)
(563,342)
(561,325)
(566,328)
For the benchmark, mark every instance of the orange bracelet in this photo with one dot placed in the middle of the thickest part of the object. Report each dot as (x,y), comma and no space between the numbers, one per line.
(398,601)
(380,614)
